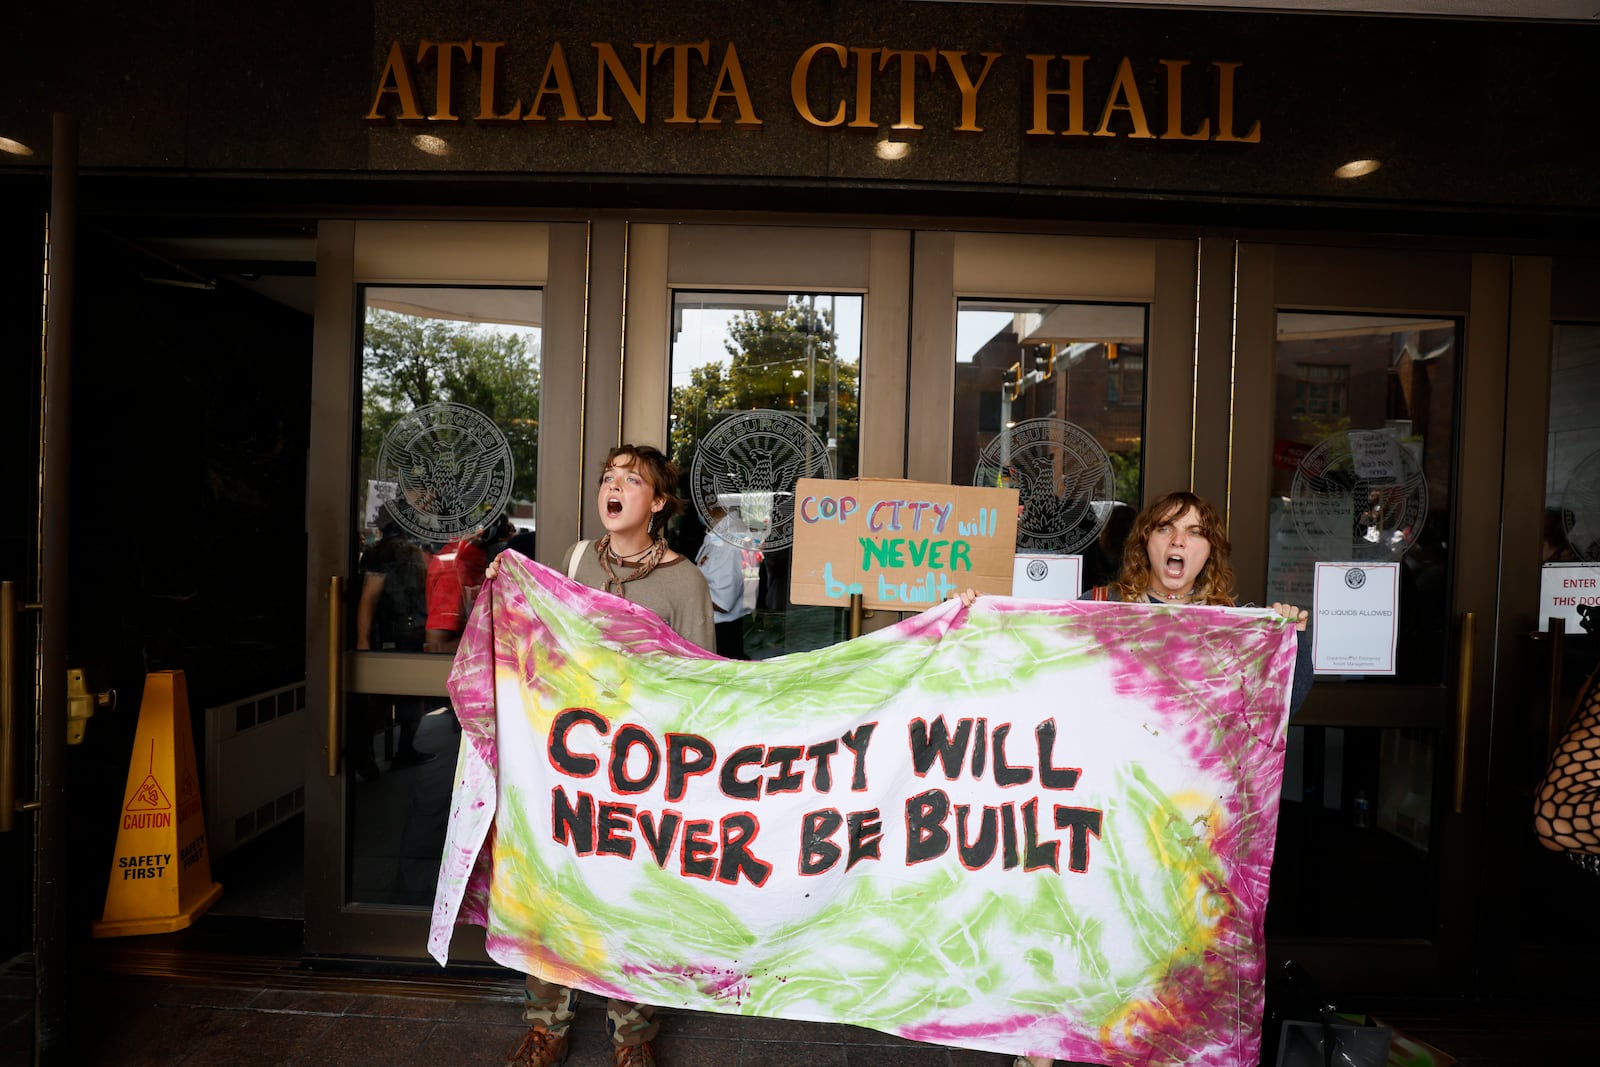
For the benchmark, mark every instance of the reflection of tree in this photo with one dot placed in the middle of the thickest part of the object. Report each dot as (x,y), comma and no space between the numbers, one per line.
(778,359)
(410,361)
(1315,431)
(1128,466)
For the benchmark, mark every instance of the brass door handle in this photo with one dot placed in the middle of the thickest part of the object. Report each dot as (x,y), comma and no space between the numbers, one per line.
(8,705)
(335,671)
(1553,706)
(10,610)
(1469,628)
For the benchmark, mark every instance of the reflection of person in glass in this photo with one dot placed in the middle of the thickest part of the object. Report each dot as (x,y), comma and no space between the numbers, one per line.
(721,560)
(447,608)
(1103,560)
(391,616)
(393,609)
(1557,522)
(1178,553)
(476,553)
(632,560)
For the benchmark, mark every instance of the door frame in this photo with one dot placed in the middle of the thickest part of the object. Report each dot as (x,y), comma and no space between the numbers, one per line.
(351,254)
(1212,307)
(1475,289)
(1545,291)
(1159,273)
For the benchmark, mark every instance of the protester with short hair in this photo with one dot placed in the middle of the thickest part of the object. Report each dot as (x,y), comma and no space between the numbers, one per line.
(636,498)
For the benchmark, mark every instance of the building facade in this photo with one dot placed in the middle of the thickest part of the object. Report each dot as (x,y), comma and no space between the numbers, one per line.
(1236,251)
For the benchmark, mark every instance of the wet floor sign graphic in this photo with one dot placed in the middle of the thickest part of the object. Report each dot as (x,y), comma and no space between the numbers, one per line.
(161,871)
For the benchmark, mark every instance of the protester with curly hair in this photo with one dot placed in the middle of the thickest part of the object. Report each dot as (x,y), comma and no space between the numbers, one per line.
(1178,553)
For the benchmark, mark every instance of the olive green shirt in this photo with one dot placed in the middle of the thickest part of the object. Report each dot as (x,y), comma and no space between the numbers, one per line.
(675,590)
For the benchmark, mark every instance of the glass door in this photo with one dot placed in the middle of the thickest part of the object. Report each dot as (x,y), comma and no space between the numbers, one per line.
(1049,400)
(1367,427)
(1552,568)
(1063,367)
(433,368)
(766,390)
(760,356)
(446,478)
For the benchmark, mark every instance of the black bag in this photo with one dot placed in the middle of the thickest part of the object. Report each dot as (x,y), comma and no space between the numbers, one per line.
(1302,1028)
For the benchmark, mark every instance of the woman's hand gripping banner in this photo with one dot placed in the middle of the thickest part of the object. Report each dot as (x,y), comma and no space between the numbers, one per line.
(1025,827)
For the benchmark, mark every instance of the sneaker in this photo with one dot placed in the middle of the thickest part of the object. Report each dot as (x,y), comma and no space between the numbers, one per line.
(413,757)
(540,1048)
(640,1055)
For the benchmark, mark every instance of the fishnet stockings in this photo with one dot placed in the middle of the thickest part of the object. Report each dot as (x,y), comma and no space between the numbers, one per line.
(1567,814)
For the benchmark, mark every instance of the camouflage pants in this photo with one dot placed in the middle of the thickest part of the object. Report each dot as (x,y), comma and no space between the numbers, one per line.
(553,1006)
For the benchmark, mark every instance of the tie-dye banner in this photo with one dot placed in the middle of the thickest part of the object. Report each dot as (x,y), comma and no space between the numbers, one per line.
(1025,827)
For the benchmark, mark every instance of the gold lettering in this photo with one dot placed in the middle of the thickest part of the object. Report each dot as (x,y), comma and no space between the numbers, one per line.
(798,85)
(396,79)
(556,81)
(863,119)
(968,88)
(1041,95)
(488,66)
(1225,106)
(446,53)
(610,61)
(1126,89)
(908,81)
(731,75)
(1174,130)
(680,76)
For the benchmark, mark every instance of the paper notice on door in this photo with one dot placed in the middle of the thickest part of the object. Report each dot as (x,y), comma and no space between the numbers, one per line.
(1356,618)
(1375,454)
(378,494)
(1571,592)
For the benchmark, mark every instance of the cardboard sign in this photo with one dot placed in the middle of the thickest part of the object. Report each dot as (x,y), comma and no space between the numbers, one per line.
(904,546)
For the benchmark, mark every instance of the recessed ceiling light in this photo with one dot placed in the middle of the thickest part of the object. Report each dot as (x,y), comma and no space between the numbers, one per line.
(892,149)
(434,146)
(15,148)
(1357,168)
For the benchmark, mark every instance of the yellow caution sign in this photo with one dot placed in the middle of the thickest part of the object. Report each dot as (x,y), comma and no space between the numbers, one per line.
(161,871)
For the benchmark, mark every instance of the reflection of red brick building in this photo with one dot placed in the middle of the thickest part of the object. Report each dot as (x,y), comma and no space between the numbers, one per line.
(1096,386)
(1339,373)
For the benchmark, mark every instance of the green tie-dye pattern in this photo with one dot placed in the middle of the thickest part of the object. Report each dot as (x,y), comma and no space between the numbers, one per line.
(673,933)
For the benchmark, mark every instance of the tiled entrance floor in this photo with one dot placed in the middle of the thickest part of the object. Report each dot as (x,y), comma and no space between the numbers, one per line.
(144,1003)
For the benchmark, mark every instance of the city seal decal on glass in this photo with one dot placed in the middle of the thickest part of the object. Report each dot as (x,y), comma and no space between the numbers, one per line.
(453,468)
(1064,481)
(744,472)
(1580,509)
(1360,495)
